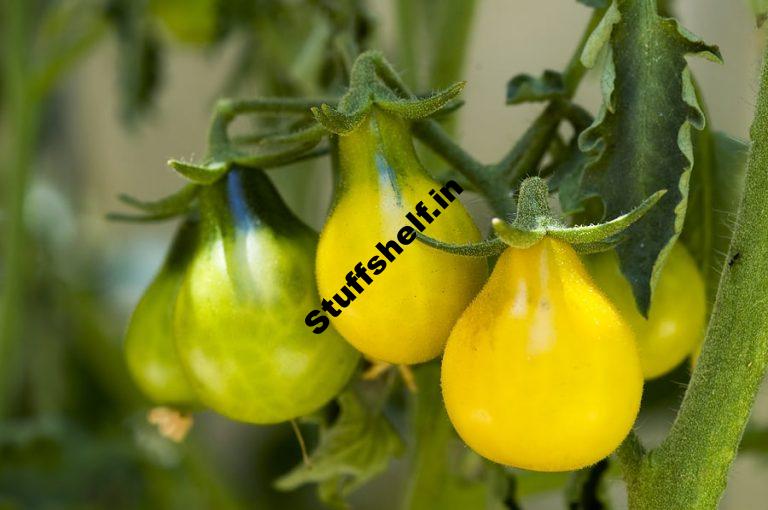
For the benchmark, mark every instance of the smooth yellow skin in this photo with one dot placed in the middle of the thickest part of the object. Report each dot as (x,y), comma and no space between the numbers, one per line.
(541,372)
(406,314)
(149,346)
(675,322)
(240,332)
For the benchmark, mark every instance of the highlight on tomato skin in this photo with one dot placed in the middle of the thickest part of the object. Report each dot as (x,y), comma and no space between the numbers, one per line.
(406,314)
(676,318)
(149,348)
(541,372)
(239,318)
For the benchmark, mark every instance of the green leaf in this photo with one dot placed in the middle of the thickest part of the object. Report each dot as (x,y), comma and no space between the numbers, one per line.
(139,62)
(600,36)
(357,447)
(717,182)
(640,141)
(525,88)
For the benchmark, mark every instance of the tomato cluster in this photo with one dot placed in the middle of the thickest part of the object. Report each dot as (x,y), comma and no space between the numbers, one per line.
(543,366)
(229,328)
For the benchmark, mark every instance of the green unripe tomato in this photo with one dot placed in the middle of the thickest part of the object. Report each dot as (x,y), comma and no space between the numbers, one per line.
(188,21)
(239,319)
(150,352)
(675,322)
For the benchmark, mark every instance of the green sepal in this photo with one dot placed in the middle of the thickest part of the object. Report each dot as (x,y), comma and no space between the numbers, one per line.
(337,122)
(596,233)
(373,82)
(419,108)
(534,220)
(140,218)
(205,173)
(487,248)
(525,88)
(599,246)
(450,107)
(516,237)
(174,204)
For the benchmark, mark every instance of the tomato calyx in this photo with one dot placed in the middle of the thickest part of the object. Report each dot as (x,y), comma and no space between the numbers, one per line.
(373,82)
(534,220)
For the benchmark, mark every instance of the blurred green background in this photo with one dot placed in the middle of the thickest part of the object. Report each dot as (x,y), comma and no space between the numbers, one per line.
(72,429)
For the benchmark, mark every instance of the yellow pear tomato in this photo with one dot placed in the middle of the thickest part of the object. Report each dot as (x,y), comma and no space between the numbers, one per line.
(675,322)
(541,372)
(405,313)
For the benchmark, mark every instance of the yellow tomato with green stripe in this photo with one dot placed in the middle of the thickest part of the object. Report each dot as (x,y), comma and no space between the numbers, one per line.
(400,303)
(541,372)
